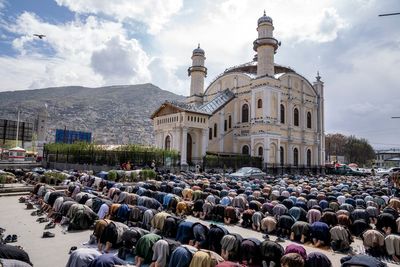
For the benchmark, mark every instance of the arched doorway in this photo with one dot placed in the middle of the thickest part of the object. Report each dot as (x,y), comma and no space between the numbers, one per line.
(189,149)
(167,145)
(245,150)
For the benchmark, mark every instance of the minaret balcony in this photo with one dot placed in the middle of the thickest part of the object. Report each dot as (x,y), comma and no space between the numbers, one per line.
(265,41)
(197,68)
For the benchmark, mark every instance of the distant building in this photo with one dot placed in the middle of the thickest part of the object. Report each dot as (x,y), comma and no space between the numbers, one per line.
(70,137)
(387,158)
(258,108)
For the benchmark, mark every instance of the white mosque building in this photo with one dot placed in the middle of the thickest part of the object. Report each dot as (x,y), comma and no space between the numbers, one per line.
(259,108)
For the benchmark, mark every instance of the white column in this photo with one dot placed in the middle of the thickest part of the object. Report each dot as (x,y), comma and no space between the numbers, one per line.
(278,107)
(204,141)
(278,153)
(183,146)
(265,104)
(221,130)
(290,154)
(314,156)
(252,151)
(177,139)
(253,105)
(266,150)
(162,139)
(236,112)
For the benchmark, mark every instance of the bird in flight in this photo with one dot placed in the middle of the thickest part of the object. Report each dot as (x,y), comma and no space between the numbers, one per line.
(40,36)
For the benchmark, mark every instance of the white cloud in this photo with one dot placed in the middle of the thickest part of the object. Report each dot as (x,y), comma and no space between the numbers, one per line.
(81,52)
(154,13)
(121,61)
(164,75)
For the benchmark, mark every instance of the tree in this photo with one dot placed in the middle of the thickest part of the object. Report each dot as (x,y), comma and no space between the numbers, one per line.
(335,144)
(355,150)
(358,150)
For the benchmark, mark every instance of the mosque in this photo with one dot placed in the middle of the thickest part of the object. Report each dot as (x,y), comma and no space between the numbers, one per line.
(258,108)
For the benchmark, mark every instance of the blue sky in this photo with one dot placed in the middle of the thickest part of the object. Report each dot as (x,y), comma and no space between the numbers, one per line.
(102,42)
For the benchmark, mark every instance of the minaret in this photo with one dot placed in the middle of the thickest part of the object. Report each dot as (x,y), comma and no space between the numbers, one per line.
(265,46)
(197,72)
(319,87)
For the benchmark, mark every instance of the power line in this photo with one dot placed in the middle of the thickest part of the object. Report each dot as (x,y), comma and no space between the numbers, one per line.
(389,14)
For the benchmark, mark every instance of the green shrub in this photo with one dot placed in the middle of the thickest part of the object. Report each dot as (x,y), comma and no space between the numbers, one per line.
(112,175)
(147,174)
(2,179)
(133,177)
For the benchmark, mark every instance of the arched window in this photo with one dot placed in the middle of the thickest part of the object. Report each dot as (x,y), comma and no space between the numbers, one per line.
(308,157)
(295,157)
(260,151)
(296,117)
(282,155)
(167,142)
(259,103)
(282,114)
(245,113)
(230,121)
(245,150)
(309,120)
(215,130)
(210,133)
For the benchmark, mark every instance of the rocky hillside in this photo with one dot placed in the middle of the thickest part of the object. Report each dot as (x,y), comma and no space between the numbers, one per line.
(114,114)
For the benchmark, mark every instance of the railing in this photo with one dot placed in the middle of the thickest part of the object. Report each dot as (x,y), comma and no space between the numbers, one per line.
(113,158)
(231,162)
(279,169)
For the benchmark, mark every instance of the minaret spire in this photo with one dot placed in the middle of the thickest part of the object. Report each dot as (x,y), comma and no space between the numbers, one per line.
(318,77)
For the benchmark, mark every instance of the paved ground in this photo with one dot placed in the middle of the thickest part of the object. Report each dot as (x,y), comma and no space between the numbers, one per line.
(53,252)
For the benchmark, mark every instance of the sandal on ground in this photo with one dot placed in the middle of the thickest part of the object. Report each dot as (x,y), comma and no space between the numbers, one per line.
(50,225)
(8,239)
(72,249)
(48,235)
(42,220)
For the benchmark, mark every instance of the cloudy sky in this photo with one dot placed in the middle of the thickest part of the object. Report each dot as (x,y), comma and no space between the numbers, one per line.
(103,42)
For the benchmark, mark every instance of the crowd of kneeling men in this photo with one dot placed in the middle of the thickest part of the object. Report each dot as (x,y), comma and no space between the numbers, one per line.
(147,219)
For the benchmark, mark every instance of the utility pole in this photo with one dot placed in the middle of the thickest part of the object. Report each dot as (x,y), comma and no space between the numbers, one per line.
(16,138)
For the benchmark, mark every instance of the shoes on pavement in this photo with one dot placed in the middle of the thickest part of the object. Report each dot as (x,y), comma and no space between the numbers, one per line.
(14,238)
(72,249)
(48,235)
(50,225)
(8,239)
(42,220)
(29,206)
(280,239)
(266,237)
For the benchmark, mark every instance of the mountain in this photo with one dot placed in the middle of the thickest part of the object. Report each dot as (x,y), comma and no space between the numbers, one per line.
(114,114)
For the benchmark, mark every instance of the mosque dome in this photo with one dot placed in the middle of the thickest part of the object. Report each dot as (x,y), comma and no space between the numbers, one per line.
(198,51)
(264,18)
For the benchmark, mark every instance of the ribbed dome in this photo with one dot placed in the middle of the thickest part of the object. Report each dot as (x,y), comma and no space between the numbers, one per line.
(198,50)
(264,18)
